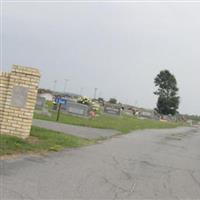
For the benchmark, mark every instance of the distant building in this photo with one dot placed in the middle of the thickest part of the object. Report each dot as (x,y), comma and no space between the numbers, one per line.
(47,96)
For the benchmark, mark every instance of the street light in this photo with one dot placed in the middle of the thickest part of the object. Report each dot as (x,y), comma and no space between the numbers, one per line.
(65,85)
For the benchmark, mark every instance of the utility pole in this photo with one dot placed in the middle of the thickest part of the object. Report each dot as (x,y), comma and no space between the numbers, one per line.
(65,85)
(95,92)
(100,94)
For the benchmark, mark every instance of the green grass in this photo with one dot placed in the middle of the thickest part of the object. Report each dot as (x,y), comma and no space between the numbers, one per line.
(49,105)
(123,124)
(41,140)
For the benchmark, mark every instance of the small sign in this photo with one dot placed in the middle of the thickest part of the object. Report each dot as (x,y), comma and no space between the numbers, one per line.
(60,101)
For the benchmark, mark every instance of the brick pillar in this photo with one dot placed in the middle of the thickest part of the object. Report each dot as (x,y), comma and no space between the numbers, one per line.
(21,95)
(4,82)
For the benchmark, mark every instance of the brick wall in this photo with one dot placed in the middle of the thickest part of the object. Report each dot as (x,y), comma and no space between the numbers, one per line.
(18,93)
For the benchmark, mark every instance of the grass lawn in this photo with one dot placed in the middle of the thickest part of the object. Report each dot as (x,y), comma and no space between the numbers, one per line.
(123,124)
(41,140)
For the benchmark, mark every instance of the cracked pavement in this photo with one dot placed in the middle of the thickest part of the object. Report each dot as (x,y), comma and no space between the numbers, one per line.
(149,164)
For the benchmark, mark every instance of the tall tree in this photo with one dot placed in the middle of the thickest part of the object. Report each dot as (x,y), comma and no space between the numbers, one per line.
(168,101)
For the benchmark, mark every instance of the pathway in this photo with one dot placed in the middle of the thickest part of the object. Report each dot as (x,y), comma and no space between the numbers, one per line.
(85,132)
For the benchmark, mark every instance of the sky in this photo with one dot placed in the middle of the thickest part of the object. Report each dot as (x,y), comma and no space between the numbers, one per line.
(116,47)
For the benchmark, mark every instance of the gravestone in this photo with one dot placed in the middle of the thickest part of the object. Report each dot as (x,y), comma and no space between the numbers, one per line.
(77,109)
(147,114)
(40,103)
(112,109)
(68,101)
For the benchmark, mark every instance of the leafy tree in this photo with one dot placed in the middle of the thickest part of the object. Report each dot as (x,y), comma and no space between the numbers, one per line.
(168,101)
(113,101)
(100,100)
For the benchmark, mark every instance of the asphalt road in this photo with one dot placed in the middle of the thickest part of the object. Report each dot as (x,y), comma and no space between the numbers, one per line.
(153,164)
(81,131)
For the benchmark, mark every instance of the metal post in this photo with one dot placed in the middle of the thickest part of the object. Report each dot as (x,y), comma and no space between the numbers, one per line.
(58,113)
(65,85)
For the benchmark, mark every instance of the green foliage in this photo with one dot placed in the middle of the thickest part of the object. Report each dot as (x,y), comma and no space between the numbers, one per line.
(85,100)
(56,147)
(40,140)
(100,100)
(113,101)
(10,144)
(168,101)
(49,104)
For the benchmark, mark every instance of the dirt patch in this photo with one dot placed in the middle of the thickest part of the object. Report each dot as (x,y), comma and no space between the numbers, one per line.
(32,140)
(19,155)
(8,157)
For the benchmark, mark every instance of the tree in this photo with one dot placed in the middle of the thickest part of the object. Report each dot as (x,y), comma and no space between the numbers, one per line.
(113,101)
(100,100)
(168,101)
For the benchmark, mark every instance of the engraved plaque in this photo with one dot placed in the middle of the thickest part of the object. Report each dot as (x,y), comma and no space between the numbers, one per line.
(76,111)
(19,96)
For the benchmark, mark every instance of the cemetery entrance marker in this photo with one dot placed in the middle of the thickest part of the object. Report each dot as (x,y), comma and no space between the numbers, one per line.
(18,94)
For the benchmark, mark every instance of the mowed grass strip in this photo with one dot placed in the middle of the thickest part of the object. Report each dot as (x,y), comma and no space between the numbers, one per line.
(43,140)
(123,124)
(40,140)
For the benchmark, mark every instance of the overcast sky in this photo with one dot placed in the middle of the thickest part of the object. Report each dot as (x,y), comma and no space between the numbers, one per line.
(117,47)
